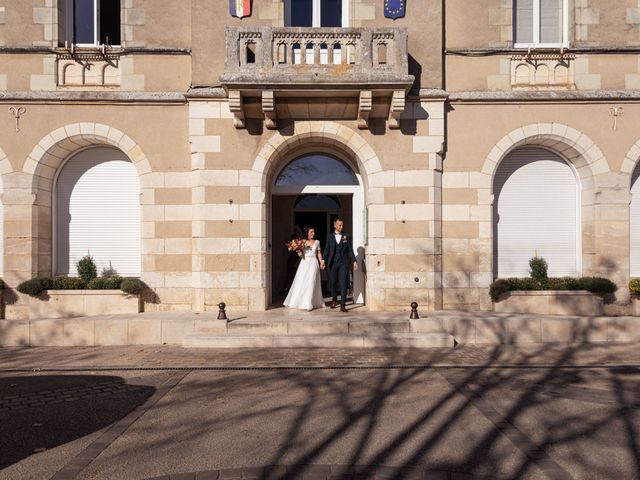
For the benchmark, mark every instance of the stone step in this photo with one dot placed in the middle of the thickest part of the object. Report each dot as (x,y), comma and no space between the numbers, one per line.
(308,327)
(397,340)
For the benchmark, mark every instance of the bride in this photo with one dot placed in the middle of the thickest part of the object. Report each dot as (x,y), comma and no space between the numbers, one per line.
(305,292)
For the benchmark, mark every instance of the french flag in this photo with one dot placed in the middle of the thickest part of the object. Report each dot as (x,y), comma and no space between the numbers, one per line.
(240,8)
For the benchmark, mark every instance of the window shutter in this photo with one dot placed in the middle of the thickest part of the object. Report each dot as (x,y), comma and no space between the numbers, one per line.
(535,212)
(98,210)
(551,21)
(524,21)
(634,224)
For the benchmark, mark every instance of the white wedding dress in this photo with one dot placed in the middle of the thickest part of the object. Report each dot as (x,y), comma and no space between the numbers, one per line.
(305,292)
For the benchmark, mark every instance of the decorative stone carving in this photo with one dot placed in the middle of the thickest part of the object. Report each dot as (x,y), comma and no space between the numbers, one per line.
(269,109)
(86,69)
(236,107)
(364,109)
(543,70)
(396,109)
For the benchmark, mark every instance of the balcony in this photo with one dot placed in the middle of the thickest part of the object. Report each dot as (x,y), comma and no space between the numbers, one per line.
(279,63)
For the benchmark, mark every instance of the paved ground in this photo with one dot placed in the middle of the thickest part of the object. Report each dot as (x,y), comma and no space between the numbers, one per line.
(535,412)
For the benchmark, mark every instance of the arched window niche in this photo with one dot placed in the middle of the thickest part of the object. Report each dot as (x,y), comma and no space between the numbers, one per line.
(316,169)
(97,212)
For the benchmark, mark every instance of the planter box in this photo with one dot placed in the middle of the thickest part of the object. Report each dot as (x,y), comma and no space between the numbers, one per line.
(635,306)
(551,302)
(80,303)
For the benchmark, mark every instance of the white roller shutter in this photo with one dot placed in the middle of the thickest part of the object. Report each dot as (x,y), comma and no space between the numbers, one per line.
(98,211)
(535,212)
(634,223)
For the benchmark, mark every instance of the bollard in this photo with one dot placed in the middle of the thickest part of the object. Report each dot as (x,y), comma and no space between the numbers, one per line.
(222,315)
(414,311)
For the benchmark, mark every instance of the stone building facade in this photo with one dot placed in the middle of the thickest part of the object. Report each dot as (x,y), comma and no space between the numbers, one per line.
(425,111)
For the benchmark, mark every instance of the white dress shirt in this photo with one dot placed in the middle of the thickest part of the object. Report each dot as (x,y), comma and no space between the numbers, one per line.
(338,237)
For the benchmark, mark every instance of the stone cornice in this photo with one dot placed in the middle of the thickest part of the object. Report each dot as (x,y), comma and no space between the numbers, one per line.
(94,97)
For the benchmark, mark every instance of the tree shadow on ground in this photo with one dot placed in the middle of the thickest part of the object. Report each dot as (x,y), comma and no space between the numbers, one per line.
(42,412)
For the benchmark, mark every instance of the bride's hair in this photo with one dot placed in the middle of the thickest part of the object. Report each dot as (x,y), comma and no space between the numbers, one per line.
(306,232)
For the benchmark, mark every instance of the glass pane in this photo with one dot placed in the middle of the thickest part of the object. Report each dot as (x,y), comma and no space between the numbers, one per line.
(110,22)
(300,13)
(523,21)
(317,202)
(316,169)
(83,24)
(331,13)
(551,21)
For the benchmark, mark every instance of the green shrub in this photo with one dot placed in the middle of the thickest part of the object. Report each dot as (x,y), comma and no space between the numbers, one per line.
(105,283)
(35,286)
(87,270)
(634,286)
(132,286)
(109,271)
(68,283)
(595,285)
(499,288)
(539,267)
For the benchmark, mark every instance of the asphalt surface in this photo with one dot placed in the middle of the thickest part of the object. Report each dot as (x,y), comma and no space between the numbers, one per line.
(537,412)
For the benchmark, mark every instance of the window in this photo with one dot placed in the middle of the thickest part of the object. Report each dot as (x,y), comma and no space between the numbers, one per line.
(90,22)
(542,23)
(316,13)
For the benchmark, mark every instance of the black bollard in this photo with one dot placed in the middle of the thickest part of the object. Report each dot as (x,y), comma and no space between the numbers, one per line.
(414,311)
(222,315)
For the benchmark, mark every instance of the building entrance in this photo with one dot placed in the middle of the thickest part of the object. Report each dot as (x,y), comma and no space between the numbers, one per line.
(312,191)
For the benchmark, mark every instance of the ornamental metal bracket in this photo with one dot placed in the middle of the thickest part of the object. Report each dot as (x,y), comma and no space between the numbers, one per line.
(17,113)
(396,109)
(236,106)
(269,109)
(364,109)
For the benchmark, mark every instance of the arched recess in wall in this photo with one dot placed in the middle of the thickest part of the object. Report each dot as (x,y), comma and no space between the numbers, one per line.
(536,212)
(634,223)
(97,211)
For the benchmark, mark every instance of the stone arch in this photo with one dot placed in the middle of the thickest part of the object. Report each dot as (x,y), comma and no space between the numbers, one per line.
(43,163)
(5,164)
(630,161)
(569,143)
(54,148)
(308,137)
(330,136)
(578,150)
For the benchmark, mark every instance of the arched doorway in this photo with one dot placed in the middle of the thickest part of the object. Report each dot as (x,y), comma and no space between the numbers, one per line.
(97,211)
(536,211)
(313,190)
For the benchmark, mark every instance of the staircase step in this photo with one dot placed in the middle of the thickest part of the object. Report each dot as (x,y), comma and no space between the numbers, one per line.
(315,327)
(397,340)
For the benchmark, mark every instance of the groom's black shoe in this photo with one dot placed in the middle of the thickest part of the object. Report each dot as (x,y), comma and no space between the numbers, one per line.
(343,308)
(334,304)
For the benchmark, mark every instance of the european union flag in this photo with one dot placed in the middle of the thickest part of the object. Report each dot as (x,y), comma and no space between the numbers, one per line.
(394,8)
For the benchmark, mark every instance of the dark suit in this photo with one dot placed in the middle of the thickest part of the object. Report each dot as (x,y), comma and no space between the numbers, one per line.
(338,258)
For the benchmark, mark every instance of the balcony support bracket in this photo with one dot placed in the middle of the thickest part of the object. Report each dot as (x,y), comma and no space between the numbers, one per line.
(364,109)
(269,109)
(236,106)
(396,109)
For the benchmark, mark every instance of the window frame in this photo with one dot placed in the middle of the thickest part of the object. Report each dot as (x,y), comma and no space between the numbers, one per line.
(70,25)
(317,13)
(535,43)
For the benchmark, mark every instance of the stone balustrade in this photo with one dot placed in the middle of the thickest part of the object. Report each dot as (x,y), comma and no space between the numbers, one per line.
(295,56)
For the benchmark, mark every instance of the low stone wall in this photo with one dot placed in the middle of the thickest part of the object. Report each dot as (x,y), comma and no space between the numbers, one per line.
(635,306)
(99,331)
(548,302)
(81,303)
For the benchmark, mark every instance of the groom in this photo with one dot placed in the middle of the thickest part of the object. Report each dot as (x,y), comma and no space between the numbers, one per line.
(338,258)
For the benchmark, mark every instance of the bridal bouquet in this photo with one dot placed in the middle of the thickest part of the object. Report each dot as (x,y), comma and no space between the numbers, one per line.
(296,245)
